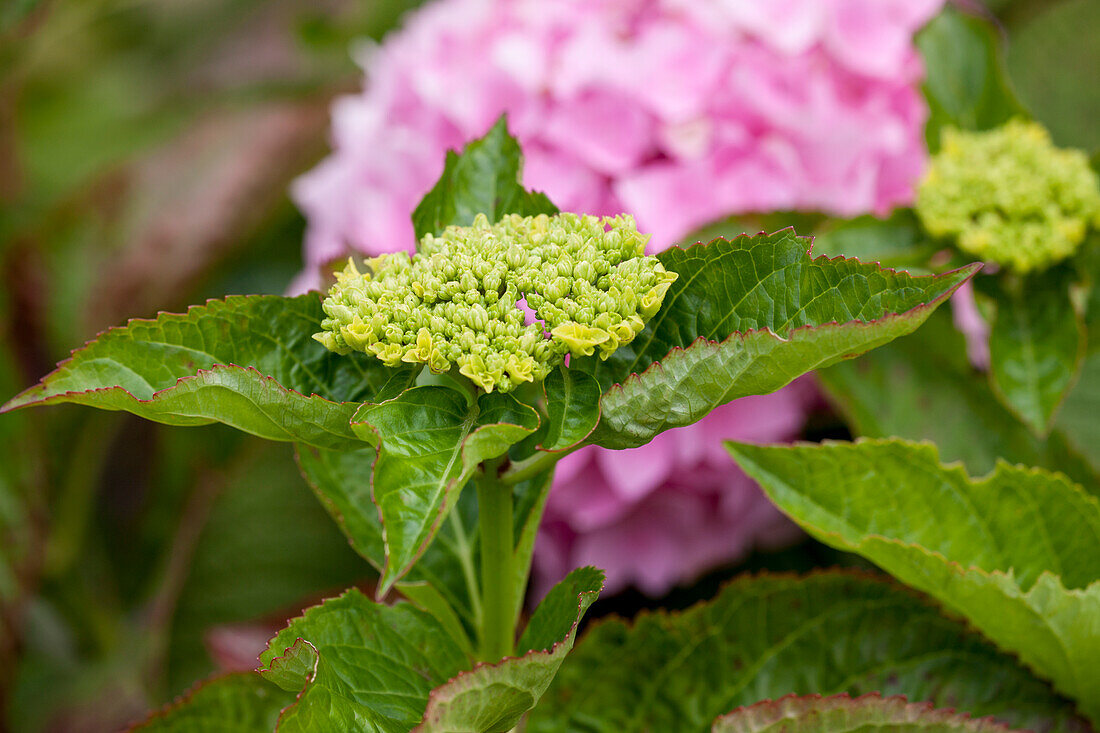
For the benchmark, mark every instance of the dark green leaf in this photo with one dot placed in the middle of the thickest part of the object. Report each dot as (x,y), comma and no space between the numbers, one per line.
(964,82)
(495,697)
(234,703)
(1036,343)
(923,387)
(766,637)
(431,440)
(360,665)
(1017,553)
(747,317)
(558,610)
(841,713)
(485,179)
(246,361)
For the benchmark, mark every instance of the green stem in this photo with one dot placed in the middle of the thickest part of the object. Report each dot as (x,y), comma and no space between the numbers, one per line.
(494,508)
(534,465)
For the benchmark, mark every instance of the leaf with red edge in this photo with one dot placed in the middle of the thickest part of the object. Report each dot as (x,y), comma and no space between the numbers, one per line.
(746,317)
(361,665)
(841,713)
(493,697)
(247,361)
(768,636)
(242,702)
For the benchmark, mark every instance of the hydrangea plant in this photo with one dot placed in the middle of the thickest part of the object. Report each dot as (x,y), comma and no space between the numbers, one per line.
(438,477)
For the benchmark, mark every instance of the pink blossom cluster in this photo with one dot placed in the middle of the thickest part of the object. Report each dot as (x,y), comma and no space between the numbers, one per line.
(676,111)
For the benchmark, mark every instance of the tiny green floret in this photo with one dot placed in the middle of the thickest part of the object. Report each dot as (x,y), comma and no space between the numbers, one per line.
(457,301)
(1010,196)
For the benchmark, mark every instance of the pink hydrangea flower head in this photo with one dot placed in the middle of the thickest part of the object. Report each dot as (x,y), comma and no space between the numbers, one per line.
(678,112)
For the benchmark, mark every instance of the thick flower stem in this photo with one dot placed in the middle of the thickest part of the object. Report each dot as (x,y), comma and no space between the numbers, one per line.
(498,577)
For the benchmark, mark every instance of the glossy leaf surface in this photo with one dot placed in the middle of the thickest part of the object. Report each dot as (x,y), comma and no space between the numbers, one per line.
(746,317)
(246,361)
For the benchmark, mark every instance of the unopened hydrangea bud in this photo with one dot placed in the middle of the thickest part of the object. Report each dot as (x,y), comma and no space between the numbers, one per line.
(456,301)
(1010,196)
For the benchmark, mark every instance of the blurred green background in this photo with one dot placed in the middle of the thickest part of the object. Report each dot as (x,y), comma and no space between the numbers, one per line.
(146,147)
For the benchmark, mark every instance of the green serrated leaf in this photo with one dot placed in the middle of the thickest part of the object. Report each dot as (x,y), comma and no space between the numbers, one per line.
(923,387)
(1017,552)
(242,702)
(485,179)
(360,665)
(493,698)
(747,317)
(431,440)
(182,369)
(770,636)
(841,713)
(1036,343)
(897,242)
(965,80)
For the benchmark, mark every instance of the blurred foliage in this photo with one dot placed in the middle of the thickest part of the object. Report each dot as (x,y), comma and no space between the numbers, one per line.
(146,147)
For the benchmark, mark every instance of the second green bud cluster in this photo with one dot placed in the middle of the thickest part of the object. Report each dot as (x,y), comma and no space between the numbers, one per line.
(458,300)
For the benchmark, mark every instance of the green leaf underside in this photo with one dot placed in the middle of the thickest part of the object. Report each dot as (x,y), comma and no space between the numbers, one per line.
(431,440)
(841,713)
(1017,553)
(765,637)
(923,387)
(242,702)
(747,317)
(361,665)
(181,369)
(493,698)
(1036,344)
(484,179)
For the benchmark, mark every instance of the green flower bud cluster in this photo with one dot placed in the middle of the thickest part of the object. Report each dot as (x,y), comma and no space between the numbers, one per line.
(457,301)
(1010,196)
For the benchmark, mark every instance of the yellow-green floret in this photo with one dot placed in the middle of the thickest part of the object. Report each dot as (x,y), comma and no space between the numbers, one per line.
(457,301)
(1010,196)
